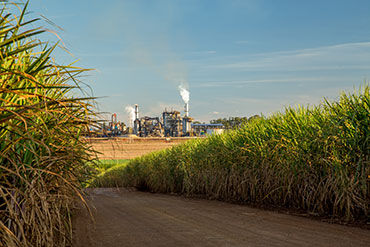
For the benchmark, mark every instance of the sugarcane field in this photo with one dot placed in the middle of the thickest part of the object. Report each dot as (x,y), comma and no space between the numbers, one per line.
(184,123)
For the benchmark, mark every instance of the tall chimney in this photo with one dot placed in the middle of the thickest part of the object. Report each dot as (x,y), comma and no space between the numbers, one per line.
(136,120)
(136,111)
(186,109)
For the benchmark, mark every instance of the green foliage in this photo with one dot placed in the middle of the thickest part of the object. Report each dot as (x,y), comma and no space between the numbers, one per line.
(42,157)
(110,176)
(313,159)
(233,122)
(102,165)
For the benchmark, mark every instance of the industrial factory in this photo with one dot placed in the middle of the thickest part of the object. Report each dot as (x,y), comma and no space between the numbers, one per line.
(169,124)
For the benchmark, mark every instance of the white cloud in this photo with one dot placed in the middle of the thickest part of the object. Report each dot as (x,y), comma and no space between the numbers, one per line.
(240,83)
(348,56)
(268,106)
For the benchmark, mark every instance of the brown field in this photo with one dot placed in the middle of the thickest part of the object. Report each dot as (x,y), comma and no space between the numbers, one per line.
(131,147)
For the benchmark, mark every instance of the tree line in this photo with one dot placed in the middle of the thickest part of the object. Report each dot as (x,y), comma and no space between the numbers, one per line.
(233,122)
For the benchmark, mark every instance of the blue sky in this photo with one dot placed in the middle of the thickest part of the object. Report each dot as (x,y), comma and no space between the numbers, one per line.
(238,58)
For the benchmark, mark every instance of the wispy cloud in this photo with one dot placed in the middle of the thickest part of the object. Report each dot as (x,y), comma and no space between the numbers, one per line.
(238,83)
(348,56)
(227,106)
(268,106)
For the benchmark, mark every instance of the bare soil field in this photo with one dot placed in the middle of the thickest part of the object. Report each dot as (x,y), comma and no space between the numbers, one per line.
(131,147)
(133,218)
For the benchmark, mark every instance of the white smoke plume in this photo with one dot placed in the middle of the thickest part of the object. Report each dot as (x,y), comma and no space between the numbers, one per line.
(131,114)
(185,94)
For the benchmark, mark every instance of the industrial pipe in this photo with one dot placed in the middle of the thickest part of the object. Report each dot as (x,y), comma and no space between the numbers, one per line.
(136,111)
(186,109)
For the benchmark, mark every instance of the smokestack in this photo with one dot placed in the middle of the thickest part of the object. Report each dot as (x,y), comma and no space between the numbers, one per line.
(136,121)
(136,111)
(186,107)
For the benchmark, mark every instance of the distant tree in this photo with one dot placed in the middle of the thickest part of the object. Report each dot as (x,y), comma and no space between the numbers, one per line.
(233,122)
(254,117)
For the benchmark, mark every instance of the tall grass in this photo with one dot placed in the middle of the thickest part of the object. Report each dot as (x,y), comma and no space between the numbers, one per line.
(313,159)
(104,165)
(109,173)
(42,157)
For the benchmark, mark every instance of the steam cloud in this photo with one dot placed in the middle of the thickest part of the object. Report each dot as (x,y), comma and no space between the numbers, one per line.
(131,113)
(185,94)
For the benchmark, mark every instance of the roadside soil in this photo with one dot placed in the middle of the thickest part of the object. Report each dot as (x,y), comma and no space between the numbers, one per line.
(134,218)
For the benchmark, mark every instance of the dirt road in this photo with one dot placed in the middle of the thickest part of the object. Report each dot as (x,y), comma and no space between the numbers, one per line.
(143,219)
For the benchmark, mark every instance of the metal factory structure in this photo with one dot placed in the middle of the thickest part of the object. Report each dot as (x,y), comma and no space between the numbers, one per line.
(207,129)
(108,128)
(171,124)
